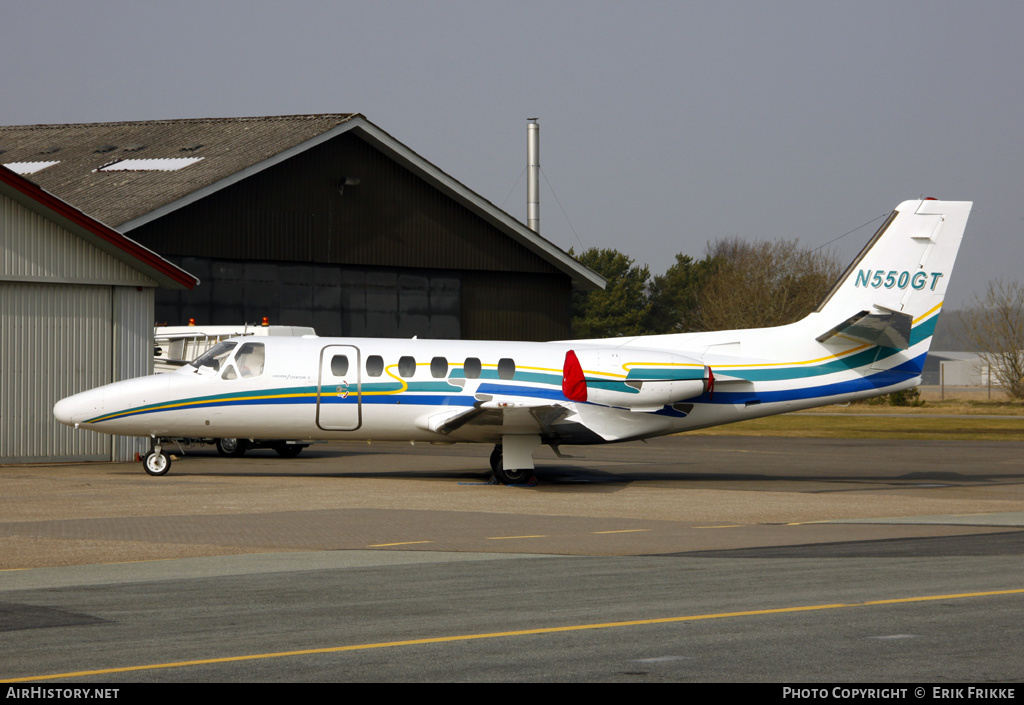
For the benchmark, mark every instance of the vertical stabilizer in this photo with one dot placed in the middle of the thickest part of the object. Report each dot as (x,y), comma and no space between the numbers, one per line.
(905,268)
(891,296)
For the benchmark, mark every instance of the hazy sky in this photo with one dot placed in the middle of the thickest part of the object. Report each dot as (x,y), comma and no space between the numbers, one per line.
(663,124)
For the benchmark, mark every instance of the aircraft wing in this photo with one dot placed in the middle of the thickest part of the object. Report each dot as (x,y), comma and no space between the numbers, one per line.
(492,415)
(557,422)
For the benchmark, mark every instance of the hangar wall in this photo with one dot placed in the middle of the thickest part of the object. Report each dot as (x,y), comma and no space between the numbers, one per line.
(132,338)
(72,317)
(56,342)
(334,299)
(426,262)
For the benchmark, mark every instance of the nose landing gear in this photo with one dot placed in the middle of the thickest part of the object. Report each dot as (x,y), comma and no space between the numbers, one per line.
(157,462)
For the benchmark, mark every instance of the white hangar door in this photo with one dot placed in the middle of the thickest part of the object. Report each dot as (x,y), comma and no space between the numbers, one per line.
(55,340)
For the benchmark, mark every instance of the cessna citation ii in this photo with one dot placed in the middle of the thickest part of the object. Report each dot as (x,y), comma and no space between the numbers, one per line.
(868,337)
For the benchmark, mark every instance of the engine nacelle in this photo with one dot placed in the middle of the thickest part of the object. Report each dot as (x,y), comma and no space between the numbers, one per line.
(633,377)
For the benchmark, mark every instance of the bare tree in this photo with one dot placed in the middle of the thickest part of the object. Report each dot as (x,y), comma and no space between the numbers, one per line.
(763,283)
(994,327)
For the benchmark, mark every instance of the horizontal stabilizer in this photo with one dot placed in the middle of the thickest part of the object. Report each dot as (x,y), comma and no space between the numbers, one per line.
(724,380)
(887,328)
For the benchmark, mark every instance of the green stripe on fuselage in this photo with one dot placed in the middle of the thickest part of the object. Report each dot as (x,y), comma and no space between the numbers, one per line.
(666,374)
(861,358)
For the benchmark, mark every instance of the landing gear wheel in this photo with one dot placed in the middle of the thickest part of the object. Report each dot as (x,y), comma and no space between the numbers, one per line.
(288,450)
(157,463)
(232,447)
(508,477)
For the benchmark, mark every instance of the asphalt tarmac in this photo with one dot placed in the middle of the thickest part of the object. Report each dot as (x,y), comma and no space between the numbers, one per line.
(719,559)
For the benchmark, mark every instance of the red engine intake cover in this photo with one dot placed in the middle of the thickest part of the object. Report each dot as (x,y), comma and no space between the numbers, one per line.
(574,384)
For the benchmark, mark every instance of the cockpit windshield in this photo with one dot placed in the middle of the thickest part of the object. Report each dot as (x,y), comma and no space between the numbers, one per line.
(214,357)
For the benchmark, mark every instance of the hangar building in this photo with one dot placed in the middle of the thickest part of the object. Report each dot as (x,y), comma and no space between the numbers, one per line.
(76,311)
(316,220)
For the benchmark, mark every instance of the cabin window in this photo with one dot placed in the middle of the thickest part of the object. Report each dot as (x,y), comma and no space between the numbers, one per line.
(406,366)
(506,368)
(439,367)
(374,365)
(214,357)
(339,365)
(250,359)
(471,367)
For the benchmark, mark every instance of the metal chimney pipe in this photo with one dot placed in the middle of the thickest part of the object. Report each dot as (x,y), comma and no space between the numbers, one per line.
(533,175)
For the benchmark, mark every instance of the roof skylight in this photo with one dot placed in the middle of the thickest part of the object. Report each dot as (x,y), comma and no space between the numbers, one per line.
(168,164)
(25,168)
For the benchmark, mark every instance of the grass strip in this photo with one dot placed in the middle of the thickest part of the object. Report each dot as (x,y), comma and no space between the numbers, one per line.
(904,427)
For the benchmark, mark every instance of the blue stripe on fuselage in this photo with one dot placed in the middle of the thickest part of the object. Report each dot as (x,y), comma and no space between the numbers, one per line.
(879,380)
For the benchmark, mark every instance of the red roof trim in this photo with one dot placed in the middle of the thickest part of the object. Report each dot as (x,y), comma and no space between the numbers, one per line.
(104,232)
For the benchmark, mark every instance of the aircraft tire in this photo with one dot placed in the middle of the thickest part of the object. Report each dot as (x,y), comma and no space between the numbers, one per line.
(232,447)
(288,450)
(508,477)
(156,464)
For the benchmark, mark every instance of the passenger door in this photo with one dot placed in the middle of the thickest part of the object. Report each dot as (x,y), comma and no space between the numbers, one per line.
(339,389)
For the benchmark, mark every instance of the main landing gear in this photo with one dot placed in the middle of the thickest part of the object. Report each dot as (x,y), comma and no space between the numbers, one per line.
(512,459)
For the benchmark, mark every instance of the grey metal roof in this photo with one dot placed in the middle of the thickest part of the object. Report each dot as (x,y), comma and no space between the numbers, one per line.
(231,149)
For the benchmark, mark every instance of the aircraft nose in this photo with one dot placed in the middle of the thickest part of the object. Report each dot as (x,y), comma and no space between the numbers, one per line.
(63,411)
(76,408)
(98,409)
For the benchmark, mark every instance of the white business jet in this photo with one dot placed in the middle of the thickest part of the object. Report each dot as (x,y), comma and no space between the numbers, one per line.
(868,337)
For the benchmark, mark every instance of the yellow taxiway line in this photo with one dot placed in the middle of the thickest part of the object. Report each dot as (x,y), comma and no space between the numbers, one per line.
(522,632)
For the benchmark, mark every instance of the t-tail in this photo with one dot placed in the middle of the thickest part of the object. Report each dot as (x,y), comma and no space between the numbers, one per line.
(869,336)
(888,301)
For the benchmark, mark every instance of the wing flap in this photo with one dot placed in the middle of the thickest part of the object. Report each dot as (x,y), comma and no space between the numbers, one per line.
(497,414)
